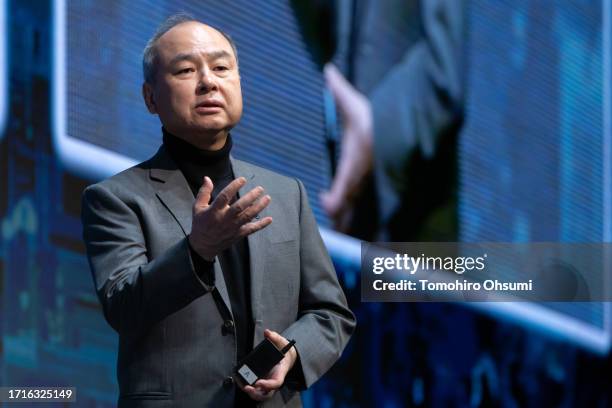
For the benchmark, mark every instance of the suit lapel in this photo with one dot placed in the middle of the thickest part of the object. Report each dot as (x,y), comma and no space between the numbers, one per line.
(173,191)
(257,248)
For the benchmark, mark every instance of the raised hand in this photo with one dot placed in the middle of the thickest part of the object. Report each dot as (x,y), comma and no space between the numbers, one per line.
(217,225)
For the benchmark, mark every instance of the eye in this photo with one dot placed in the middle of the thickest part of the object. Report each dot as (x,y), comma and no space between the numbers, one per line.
(221,68)
(185,71)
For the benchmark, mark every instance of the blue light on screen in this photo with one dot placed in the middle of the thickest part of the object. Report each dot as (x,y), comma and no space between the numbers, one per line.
(533,151)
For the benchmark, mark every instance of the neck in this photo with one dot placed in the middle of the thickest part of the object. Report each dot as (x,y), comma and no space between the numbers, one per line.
(211,141)
(182,150)
(195,163)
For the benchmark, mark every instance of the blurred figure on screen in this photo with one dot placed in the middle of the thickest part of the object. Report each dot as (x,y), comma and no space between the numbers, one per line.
(401,110)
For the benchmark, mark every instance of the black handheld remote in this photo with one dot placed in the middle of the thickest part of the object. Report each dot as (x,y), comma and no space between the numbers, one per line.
(259,362)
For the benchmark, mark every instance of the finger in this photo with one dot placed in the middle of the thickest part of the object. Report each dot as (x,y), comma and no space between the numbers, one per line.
(240,382)
(265,394)
(331,204)
(275,377)
(338,209)
(278,340)
(337,196)
(270,384)
(248,214)
(245,201)
(341,89)
(251,227)
(253,393)
(203,197)
(226,195)
(258,394)
(343,183)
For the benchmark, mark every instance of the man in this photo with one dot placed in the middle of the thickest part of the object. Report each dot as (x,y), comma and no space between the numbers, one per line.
(401,117)
(191,270)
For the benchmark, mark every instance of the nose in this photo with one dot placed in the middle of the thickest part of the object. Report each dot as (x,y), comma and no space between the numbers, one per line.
(207,81)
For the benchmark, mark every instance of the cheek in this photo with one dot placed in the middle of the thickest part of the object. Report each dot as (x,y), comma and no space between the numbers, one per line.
(239,101)
(236,96)
(182,97)
(176,96)
(178,103)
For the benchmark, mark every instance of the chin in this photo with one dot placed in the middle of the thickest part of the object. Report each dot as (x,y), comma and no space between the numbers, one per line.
(210,123)
(201,128)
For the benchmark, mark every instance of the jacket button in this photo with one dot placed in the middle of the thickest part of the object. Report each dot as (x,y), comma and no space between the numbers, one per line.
(228,327)
(228,382)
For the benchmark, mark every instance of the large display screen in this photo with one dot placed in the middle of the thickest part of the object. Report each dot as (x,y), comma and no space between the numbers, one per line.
(535,151)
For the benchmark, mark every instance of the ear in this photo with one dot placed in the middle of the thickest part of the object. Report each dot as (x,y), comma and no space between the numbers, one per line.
(149,97)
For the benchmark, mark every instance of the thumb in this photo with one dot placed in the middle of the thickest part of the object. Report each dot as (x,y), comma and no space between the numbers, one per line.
(278,340)
(341,89)
(204,193)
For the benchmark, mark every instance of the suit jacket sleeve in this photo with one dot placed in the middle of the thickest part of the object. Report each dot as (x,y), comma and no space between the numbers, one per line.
(135,291)
(324,323)
(419,98)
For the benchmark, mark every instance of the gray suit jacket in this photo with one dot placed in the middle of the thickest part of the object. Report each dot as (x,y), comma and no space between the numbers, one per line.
(176,346)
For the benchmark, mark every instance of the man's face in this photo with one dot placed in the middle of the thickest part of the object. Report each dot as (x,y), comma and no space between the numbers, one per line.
(197,91)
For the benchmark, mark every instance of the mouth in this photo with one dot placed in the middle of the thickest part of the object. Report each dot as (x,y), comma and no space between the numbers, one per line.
(209,106)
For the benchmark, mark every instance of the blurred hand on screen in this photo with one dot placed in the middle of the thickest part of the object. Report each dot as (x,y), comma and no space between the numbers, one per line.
(356,156)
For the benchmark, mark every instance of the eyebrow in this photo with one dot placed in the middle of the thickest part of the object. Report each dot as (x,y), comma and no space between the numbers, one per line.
(190,56)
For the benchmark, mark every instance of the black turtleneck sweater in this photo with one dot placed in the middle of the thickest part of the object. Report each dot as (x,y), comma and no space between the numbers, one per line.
(195,164)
